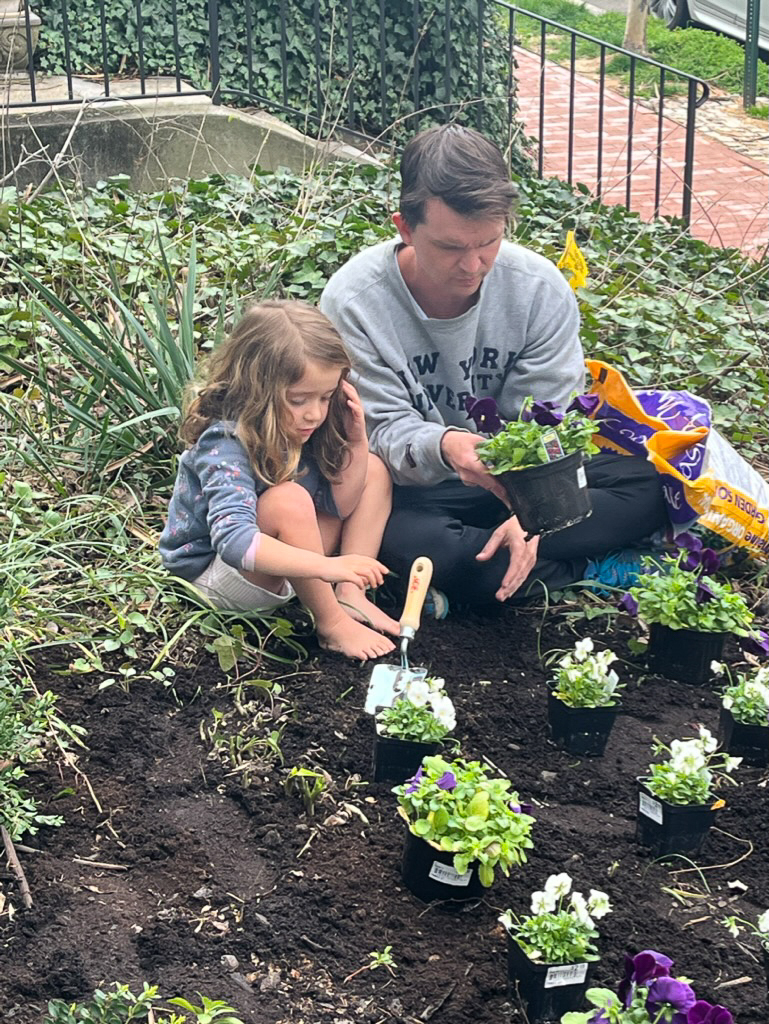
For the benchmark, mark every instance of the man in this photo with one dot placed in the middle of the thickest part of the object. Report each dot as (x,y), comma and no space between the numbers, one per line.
(451,310)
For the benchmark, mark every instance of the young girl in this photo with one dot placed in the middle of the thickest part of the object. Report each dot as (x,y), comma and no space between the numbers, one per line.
(279,477)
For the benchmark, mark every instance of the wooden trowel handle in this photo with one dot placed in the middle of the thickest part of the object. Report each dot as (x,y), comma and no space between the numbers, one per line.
(420,574)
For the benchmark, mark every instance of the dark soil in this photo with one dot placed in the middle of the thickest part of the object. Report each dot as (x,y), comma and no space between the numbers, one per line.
(215,868)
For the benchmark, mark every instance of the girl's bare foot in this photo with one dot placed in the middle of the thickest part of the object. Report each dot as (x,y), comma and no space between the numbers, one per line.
(357,605)
(352,638)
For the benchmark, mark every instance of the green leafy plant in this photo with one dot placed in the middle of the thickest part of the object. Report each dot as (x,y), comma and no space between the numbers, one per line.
(424,714)
(521,443)
(681,599)
(456,806)
(584,680)
(211,1010)
(759,927)
(747,696)
(559,931)
(308,784)
(691,769)
(119,1006)
(376,959)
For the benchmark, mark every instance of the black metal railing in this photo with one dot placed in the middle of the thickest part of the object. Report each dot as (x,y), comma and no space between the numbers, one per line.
(332,68)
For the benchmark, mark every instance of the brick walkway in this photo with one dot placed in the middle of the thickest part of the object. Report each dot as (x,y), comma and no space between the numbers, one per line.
(730,192)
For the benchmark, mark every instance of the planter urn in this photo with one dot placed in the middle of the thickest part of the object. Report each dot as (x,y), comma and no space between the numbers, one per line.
(15,51)
(549,990)
(580,731)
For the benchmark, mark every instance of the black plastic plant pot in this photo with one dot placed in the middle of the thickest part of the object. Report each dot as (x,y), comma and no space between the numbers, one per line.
(429,874)
(396,760)
(549,991)
(683,654)
(750,742)
(549,497)
(671,828)
(581,731)
(765,954)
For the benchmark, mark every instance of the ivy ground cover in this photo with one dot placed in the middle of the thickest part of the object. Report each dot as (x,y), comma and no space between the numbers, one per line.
(225,883)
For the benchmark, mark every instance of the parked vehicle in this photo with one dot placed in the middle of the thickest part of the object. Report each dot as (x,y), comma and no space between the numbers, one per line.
(727,16)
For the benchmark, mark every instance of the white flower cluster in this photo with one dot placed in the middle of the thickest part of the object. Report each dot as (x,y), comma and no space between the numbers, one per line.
(582,668)
(557,887)
(755,689)
(430,692)
(691,757)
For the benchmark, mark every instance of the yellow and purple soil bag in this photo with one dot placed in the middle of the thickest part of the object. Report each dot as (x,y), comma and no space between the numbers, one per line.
(703,478)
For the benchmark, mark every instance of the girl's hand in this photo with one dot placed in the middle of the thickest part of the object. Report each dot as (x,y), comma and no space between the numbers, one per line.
(357,569)
(354,417)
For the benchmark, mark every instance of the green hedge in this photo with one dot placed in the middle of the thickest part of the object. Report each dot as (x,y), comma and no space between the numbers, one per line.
(467,19)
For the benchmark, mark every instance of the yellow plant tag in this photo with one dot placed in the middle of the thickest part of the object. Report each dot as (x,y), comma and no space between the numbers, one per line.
(573,260)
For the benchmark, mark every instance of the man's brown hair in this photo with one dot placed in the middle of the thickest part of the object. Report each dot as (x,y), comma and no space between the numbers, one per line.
(459,166)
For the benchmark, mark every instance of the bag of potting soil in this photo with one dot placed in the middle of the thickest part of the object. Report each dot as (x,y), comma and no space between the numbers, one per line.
(703,478)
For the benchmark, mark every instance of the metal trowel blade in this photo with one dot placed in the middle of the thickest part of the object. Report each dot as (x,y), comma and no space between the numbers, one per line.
(387,683)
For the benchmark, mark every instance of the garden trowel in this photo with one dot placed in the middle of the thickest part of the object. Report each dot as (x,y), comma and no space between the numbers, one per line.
(389,681)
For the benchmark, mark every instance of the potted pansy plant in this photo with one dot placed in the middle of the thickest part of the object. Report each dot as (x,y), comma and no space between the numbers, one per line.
(582,702)
(538,459)
(760,928)
(743,726)
(412,729)
(676,800)
(463,825)
(649,994)
(689,613)
(551,950)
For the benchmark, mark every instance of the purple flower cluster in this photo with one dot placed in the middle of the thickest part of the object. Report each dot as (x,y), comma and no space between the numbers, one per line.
(447,781)
(666,998)
(697,555)
(485,414)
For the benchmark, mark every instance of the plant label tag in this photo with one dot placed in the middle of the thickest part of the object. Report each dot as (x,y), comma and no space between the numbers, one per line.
(650,808)
(552,445)
(581,478)
(447,874)
(565,974)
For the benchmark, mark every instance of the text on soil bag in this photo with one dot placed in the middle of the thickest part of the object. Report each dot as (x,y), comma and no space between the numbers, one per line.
(566,974)
(650,808)
(445,873)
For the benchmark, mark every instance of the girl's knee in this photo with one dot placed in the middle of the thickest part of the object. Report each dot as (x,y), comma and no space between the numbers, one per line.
(288,499)
(378,475)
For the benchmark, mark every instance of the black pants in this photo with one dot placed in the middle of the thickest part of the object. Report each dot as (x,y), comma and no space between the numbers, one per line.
(450,523)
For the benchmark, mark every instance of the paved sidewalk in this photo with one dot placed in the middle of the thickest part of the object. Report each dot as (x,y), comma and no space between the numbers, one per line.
(730,192)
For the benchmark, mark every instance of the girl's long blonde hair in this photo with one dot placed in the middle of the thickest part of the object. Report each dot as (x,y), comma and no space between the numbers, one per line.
(246,379)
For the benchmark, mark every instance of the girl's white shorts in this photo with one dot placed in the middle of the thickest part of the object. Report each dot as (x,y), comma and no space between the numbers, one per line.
(229,590)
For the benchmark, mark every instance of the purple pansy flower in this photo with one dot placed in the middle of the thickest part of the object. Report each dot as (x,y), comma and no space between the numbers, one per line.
(629,604)
(447,781)
(689,542)
(709,561)
(412,784)
(514,807)
(544,413)
(484,413)
(668,991)
(703,1012)
(704,592)
(757,643)
(586,404)
(641,969)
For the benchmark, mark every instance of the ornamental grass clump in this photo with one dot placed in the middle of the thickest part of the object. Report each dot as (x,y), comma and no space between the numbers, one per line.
(691,770)
(458,808)
(424,714)
(648,994)
(559,930)
(747,696)
(583,679)
(539,435)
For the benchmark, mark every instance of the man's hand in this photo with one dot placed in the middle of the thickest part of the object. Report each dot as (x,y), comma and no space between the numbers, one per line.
(458,449)
(523,555)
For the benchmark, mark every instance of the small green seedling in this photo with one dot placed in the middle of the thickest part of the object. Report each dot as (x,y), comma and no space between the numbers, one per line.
(376,959)
(309,785)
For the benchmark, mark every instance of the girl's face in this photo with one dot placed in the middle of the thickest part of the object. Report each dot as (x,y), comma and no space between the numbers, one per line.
(307,401)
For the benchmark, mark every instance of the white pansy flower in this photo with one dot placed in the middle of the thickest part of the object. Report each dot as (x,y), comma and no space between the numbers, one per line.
(579,906)
(443,711)
(418,692)
(709,742)
(506,920)
(598,904)
(717,668)
(558,886)
(732,926)
(582,648)
(763,923)
(436,683)
(730,763)
(541,903)
(728,702)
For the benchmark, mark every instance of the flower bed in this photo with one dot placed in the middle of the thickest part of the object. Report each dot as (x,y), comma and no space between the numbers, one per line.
(218,869)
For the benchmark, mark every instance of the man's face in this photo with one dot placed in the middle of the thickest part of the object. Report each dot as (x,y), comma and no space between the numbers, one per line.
(452,253)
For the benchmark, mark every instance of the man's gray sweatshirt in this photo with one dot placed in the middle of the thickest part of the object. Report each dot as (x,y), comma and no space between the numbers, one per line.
(414,373)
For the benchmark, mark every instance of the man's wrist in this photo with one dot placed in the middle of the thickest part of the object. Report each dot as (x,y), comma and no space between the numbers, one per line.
(441,447)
